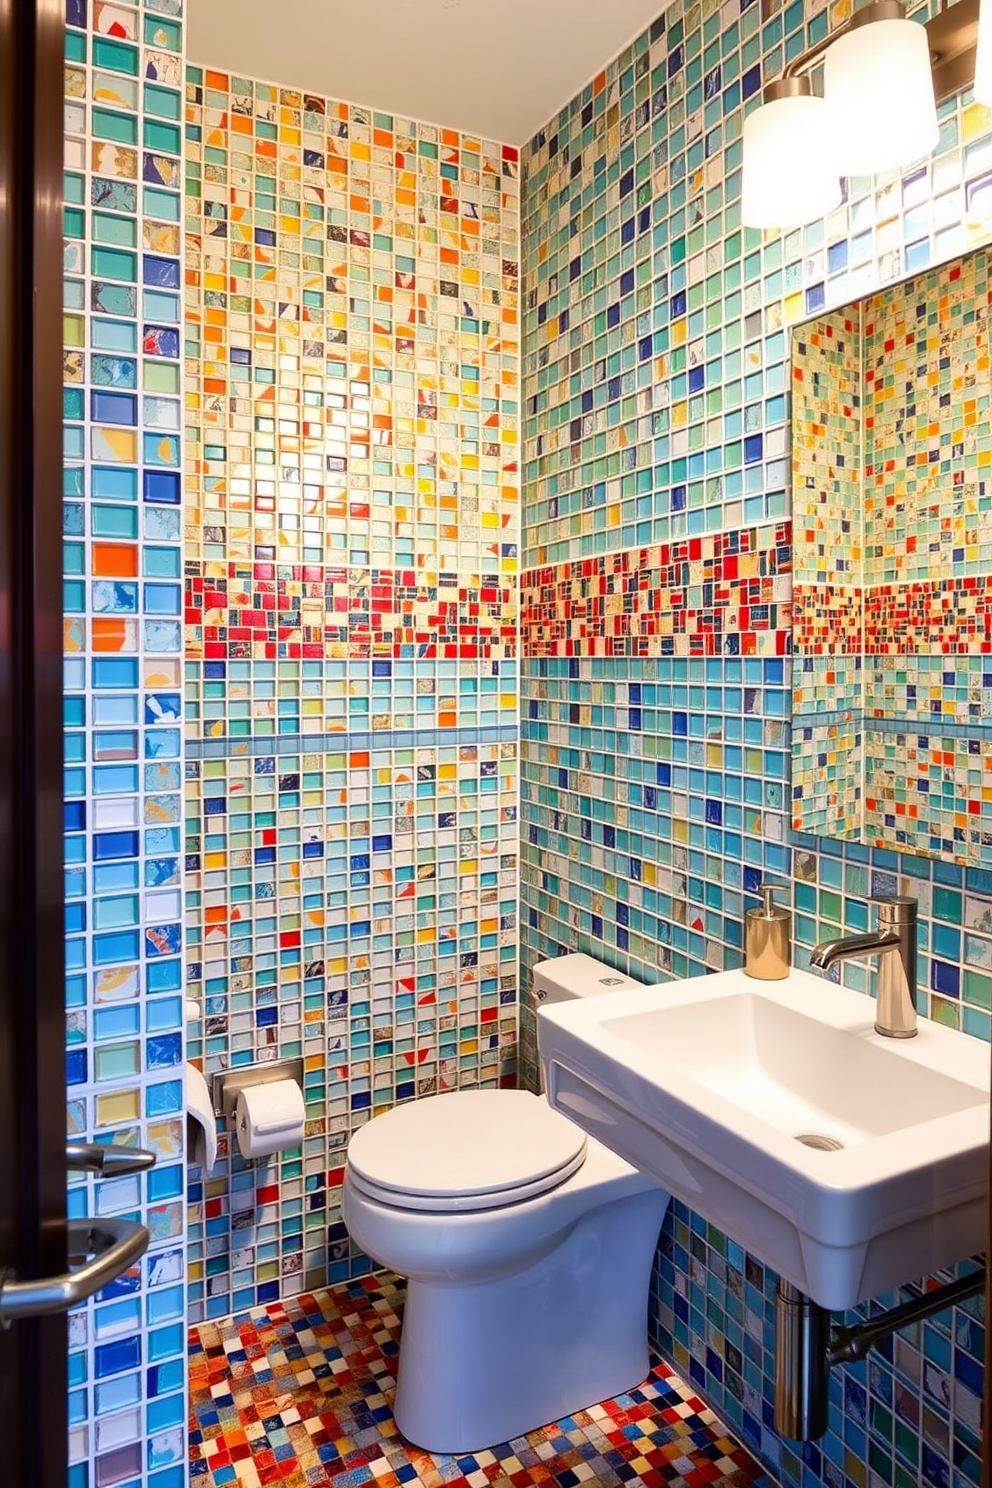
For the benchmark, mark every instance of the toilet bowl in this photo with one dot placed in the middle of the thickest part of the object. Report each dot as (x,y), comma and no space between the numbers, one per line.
(527,1249)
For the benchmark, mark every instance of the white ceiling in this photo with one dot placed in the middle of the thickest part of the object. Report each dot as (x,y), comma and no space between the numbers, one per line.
(499,70)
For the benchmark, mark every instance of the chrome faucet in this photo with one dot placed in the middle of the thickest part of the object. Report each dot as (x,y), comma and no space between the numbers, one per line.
(895,941)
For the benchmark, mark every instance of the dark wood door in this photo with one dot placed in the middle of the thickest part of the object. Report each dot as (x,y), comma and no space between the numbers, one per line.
(33,1394)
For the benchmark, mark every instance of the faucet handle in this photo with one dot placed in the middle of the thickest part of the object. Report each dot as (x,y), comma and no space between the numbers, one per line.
(896,909)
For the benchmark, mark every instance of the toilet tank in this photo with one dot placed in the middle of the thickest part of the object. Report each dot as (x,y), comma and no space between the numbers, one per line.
(576,975)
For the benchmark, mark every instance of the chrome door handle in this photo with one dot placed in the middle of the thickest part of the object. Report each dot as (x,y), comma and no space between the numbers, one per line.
(107,1160)
(114,1244)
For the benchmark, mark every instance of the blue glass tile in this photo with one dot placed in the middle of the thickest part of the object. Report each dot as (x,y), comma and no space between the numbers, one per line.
(162,272)
(113,335)
(114,948)
(165,1182)
(114,1358)
(76,1067)
(114,408)
(163,976)
(165,1343)
(945,978)
(113,673)
(164,1099)
(162,599)
(161,487)
(160,340)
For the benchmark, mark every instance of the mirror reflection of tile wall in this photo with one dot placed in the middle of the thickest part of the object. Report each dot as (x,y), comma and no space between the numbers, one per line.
(892,619)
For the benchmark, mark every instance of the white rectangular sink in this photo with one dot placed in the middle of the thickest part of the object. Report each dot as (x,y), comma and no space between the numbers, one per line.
(711,1085)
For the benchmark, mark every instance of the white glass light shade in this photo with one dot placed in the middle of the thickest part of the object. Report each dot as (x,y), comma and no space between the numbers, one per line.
(789,178)
(983,55)
(878,89)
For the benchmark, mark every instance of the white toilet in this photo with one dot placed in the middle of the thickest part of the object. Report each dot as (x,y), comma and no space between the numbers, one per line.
(527,1247)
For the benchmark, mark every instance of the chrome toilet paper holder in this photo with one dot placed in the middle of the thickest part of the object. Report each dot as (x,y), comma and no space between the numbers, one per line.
(227,1084)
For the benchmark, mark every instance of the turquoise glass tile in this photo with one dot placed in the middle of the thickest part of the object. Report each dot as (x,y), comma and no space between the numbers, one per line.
(165,205)
(120,231)
(118,56)
(114,521)
(116,1062)
(114,335)
(160,136)
(163,103)
(112,263)
(120,127)
(162,34)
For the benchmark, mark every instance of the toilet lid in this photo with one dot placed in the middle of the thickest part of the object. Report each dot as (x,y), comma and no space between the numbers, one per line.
(471,1149)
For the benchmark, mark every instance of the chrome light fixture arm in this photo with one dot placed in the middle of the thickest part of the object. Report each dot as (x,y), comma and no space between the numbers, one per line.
(884,74)
(952,33)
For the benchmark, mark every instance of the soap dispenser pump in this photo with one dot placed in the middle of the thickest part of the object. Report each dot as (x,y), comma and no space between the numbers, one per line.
(768,938)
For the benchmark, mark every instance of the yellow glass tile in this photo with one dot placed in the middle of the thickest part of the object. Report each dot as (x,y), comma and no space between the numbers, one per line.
(118,1106)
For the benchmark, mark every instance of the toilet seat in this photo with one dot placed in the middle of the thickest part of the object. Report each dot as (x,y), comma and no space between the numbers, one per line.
(469,1150)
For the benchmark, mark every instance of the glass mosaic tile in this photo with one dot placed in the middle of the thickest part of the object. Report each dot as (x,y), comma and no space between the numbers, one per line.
(350,511)
(351,350)
(302,1390)
(898,1418)
(115,934)
(891,400)
(656,778)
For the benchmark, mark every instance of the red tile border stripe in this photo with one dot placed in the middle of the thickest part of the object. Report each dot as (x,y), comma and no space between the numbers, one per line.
(723,594)
(950,617)
(268,612)
(827,619)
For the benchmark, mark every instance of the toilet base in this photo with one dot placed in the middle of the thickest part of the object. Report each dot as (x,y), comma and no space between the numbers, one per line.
(483,1363)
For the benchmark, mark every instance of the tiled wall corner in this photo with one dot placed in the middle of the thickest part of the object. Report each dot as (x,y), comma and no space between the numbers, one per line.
(123,741)
(351,571)
(655,774)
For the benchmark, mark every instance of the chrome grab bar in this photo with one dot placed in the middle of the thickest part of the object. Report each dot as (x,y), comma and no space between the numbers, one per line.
(114,1244)
(107,1160)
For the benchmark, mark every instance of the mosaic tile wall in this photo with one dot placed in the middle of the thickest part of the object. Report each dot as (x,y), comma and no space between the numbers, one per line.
(891,397)
(655,770)
(123,741)
(928,561)
(828,739)
(351,675)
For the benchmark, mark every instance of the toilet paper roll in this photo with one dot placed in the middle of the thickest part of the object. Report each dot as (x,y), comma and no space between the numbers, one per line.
(269,1118)
(201,1124)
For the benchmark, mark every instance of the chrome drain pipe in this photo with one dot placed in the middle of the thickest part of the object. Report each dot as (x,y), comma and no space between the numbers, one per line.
(806,1347)
(802,1335)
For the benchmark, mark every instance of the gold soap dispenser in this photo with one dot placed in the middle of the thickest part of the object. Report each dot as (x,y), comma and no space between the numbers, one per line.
(768,938)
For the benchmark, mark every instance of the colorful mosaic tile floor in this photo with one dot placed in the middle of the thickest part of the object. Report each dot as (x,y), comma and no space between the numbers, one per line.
(298,1393)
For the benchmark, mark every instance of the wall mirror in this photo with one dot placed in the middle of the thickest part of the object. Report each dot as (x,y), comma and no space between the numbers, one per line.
(892,607)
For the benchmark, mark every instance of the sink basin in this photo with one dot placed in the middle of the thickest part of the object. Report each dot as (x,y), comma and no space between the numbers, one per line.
(848,1162)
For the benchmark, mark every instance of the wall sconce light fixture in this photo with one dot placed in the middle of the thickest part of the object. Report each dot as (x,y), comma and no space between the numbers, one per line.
(883,76)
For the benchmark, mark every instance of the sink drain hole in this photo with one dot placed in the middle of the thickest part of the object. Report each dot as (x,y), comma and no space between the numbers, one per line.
(820,1142)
